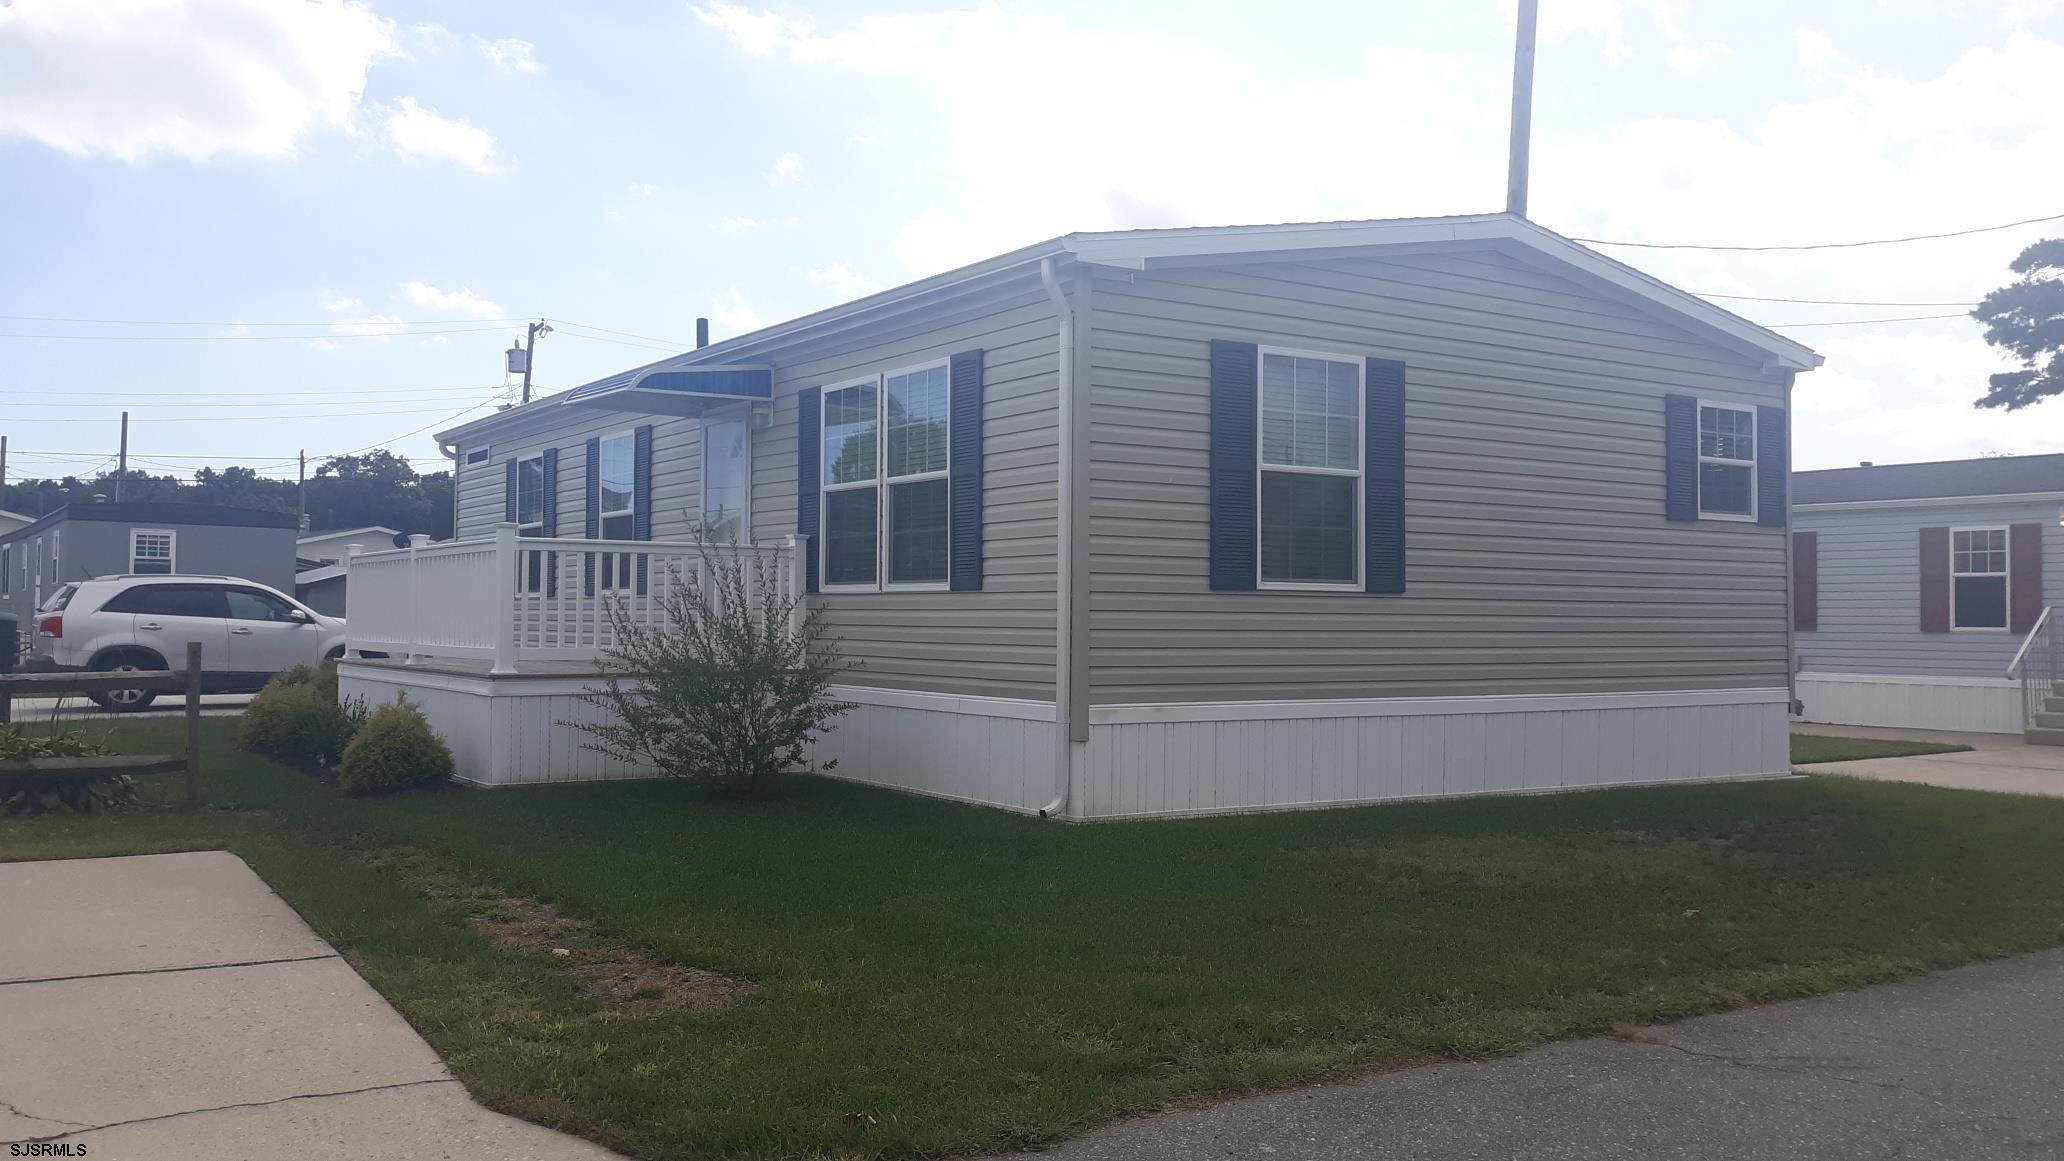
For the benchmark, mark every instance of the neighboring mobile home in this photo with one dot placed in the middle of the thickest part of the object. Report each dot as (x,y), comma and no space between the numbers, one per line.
(319,572)
(1171,522)
(1916,585)
(88,540)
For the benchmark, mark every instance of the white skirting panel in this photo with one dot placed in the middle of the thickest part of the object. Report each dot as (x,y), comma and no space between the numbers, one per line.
(1982,705)
(991,750)
(502,731)
(1173,760)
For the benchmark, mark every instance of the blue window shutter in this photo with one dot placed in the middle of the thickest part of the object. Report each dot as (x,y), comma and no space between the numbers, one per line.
(1680,457)
(1383,476)
(550,519)
(1773,466)
(509,495)
(641,494)
(809,468)
(1234,369)
(593,511)
(964,512)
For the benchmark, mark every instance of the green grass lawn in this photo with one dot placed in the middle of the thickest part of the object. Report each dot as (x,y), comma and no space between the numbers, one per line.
(1808,748)
(937,979)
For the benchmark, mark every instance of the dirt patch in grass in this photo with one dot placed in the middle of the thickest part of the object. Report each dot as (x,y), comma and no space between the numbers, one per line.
(621,979)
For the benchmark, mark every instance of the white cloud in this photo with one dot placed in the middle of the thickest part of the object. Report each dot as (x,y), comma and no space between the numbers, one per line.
(738,225)
(1692,59)
(511,55)
(729,311)
(132,79)
(462,302)
(413,131)
(641,189)
(758,33)
(786,168)
(841,280)
(353,319)
(860,139)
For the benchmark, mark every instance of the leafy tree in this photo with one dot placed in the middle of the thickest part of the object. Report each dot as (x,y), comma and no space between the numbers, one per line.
(2026,319)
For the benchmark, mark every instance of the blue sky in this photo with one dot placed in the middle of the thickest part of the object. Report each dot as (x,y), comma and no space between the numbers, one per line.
(396,179)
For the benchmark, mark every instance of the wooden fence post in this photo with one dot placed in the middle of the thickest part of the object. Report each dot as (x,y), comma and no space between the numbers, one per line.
(193,723)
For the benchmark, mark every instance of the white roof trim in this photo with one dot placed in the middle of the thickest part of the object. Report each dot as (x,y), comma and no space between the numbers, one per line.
(1135,249)
(1935,501)
(348,532)
(324,573)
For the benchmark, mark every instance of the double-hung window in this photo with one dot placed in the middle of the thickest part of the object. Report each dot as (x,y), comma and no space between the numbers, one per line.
(153,551)
(530,518)
(1311,469)
(1978,578)
(615,500)
(1727,462)
(886,480)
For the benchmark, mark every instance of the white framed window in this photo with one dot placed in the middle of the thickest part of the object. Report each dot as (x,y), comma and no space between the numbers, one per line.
(887,481)
(616,503)
(1310,480)
(1726,462)
(727,479)
(153,550)
(1978,579)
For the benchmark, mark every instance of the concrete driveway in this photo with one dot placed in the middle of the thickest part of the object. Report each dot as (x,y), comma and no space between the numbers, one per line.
(2001,762)
(1961,1065)
(173,1007)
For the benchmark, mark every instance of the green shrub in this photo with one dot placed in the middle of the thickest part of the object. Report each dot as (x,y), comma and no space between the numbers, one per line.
(394,750)
(31,795)
(297,719)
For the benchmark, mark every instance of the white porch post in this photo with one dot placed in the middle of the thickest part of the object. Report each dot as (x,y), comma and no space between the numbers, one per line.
(796,585)
(505,598)
(350,551)
(415,545)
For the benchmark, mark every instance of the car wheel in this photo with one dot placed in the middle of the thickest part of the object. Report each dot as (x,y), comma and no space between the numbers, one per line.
(124,700)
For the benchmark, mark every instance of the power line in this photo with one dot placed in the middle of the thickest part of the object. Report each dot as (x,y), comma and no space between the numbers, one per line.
(406,392)
(1825,301)
(162,322)
(1860,322)
(326,336)
(1826,245)
(406,434)
(259,418)
(375,404)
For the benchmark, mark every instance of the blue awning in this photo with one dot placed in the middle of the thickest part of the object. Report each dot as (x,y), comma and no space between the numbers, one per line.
(677,391)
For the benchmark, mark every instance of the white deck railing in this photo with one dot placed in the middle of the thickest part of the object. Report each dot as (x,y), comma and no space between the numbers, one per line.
(508,598)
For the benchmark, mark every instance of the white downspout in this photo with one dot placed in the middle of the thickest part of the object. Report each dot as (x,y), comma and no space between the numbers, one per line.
(1064,543)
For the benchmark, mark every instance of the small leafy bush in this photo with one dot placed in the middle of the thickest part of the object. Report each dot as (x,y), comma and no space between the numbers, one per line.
(298,720)
(394,750)
(729,686)
(29,794)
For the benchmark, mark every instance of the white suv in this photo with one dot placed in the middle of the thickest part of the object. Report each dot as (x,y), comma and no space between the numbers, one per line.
(247,631)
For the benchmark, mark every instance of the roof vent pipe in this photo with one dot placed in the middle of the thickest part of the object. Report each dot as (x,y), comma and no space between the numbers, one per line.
(1865,464)
(701,333)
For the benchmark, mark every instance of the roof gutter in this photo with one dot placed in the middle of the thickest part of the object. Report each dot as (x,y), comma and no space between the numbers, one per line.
(1064,543)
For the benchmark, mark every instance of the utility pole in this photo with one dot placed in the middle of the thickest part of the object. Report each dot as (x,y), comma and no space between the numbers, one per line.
(540,327)
(1522,110)
(301,494)
(122,464)
(3,463)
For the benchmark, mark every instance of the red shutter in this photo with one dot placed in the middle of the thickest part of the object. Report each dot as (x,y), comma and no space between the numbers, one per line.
(2024,576)
(1934,580)
(1805,581)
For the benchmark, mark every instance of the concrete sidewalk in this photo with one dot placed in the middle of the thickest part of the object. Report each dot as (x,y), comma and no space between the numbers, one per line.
(173,1007)
(2000,762)
(1961,1065)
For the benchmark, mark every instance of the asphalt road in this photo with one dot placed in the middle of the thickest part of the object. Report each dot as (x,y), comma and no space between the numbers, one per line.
(1968,1065)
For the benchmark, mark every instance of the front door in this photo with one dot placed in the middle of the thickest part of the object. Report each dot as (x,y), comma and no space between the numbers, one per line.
(266,634)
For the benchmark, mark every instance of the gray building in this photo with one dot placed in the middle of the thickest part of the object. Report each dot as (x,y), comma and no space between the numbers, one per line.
(88,540)
(1915,585)
(1172,522)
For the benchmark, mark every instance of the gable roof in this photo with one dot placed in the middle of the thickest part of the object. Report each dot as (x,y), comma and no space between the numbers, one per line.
(1997,476)
(334,533)
(1149,249)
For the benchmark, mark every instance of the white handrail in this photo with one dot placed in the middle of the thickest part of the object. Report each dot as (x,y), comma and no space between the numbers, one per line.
(2014,666)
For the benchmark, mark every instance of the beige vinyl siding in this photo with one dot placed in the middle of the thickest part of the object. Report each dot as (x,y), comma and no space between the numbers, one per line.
(1870,589)
(1538,561)
(997,642)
